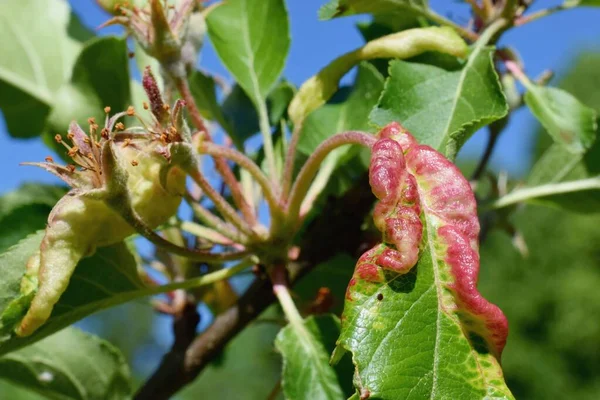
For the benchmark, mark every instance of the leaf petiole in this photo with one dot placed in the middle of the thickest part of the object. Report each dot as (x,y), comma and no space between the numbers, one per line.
(525,194)
(312,165)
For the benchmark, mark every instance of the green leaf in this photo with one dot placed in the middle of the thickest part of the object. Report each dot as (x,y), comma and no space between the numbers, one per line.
(26,210)
(279,99)
(100,78)
(341,8)
(29,194)
(306,370)
(204,90)
(107,278)
(70,364)
(252,39)
(567,120)
(561,179)
(250,355)
(591,3)
(442,108)
(333,274)
(38,59)
(241,117)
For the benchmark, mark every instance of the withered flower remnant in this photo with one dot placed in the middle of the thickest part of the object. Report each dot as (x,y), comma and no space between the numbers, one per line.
(105,161)
(159,28)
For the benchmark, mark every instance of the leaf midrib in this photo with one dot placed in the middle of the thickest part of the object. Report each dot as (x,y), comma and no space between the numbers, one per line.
(257,95)
(459,89)
(307,339)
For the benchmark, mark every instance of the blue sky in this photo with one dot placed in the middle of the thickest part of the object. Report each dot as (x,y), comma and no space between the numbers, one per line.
(551,42)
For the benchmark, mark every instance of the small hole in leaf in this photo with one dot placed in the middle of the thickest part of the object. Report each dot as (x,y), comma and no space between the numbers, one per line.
(379,296)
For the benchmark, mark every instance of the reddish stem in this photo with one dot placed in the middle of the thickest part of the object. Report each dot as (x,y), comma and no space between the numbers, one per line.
(220,163)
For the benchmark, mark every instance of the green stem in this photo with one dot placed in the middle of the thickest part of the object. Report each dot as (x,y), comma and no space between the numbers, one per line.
(311,167)
(205,233)
(438,19)
(518,73)
(246,163)
(220,164)
(265,130)
(525,194)
(490,35)
(280,288)
(290,159)
(320,182)
(228,212)
(214,222)
(544,13)
(203,280)
(122,205)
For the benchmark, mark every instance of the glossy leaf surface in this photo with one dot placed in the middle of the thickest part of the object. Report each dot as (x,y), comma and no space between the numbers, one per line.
(566,119)
(306,370)
(442,108)
(252,39)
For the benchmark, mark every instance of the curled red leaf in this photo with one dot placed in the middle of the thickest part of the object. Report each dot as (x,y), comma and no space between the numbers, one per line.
(415,184)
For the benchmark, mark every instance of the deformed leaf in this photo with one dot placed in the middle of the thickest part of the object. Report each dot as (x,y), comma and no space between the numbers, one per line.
(306,370)
(107,278)
(351,114)
(567,120)
(342,8)
(413,319)
(319,88)
(442,108)
(25,210)
(95,371)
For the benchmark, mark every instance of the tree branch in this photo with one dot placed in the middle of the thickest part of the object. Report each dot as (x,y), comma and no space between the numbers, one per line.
(338,229)
(171,366)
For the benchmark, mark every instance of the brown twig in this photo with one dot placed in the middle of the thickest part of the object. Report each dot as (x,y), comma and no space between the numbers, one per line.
(184,331)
